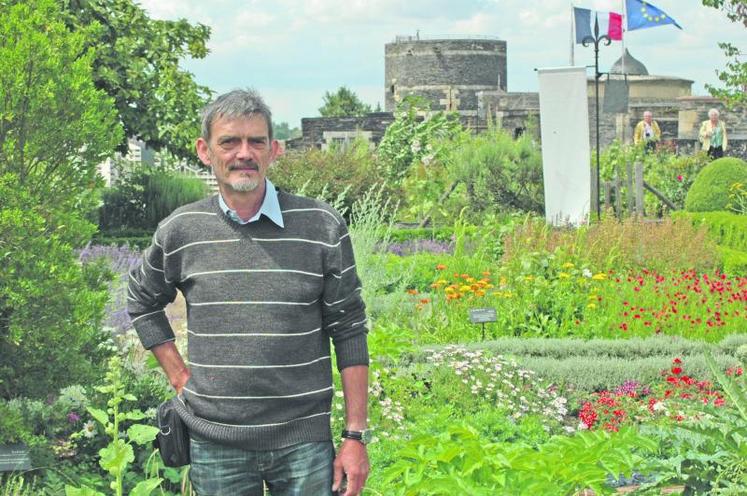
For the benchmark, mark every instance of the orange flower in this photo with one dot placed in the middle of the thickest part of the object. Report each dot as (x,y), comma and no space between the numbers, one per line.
(412,291)
(440,267)
(465,276)
(425,300)
(486,273)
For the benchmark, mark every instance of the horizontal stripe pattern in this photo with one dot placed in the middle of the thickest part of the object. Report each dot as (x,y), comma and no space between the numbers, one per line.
(254,334)
(281,366)
(265,303)
(270,397)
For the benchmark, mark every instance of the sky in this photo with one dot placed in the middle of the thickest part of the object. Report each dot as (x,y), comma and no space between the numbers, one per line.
(293,51)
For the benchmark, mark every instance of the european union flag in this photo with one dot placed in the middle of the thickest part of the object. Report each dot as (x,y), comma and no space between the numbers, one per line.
(642,14)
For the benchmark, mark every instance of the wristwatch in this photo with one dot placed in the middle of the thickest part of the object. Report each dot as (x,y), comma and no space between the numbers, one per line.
(363,437)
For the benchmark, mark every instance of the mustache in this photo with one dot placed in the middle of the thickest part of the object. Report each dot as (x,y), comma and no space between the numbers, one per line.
(244,165)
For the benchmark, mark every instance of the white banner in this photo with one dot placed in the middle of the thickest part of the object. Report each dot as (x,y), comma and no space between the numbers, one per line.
(564,126)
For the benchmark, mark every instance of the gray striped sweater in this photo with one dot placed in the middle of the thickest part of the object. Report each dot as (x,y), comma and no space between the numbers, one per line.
(263,303)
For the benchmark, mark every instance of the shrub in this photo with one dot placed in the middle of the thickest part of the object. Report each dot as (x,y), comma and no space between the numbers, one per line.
(337,172)
(710,191)
(145,196)
(733,261)
(725,228)
(500,173)
(412,140)
(51,306)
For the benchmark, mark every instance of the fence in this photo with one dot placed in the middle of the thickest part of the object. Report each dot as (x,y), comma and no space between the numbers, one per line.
(631,188)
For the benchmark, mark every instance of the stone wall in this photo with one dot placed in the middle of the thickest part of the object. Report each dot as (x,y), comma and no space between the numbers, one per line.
(321,132)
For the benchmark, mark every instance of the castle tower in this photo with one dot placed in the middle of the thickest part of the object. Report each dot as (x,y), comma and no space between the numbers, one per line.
(447,72)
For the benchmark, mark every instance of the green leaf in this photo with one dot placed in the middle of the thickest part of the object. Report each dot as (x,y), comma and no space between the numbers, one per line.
(142,434)
(81,491)
(134,415)
(116,456)
(99,415)
(144,488)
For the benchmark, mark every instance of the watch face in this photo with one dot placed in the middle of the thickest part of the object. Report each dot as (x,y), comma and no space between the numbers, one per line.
(367,436)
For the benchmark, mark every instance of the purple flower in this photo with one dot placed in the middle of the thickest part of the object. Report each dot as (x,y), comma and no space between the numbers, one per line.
(634,387)
(73,417)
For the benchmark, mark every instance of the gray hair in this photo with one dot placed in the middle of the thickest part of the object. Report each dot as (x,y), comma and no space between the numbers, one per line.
(236,103)
(712,112)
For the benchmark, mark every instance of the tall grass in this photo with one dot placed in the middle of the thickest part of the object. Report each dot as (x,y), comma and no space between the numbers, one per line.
(617,245)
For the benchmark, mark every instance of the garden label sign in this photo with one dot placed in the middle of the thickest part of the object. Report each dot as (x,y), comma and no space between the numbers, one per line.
(481,316)
(14,457)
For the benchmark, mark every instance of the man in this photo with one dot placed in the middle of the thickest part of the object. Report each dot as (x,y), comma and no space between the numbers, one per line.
(713,135)
(269,278)
(648,132)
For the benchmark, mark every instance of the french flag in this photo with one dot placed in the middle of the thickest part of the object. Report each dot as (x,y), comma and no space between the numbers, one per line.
(610,23)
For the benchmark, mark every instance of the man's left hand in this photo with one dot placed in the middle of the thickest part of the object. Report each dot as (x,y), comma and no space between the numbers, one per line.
(351,461)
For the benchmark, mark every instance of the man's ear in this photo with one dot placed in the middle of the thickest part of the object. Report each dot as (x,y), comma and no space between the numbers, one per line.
(203,151)
(274,149)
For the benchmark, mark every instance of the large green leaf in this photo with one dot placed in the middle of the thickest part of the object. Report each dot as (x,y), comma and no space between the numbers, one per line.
(116,456)
(142,434)
(99,415)
(81,491)
(144,488)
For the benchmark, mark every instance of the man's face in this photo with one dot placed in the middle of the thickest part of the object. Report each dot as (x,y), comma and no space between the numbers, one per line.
(239,151)
(648,117)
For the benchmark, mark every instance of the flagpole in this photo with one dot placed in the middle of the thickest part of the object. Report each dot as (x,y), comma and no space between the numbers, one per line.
(573,38)
(625,20)
(595,40)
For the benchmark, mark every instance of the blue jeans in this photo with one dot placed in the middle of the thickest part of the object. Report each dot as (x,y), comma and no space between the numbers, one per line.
(299,470)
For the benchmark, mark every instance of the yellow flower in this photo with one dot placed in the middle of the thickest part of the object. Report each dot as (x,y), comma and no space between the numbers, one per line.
(563,275)
(449,290)
(464,289)
(471,280)
(568,265)
(441,281)
(599,277)
(480,292)
(591,306)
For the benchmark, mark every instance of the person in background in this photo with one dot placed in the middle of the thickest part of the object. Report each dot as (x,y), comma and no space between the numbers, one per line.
(713,135)
(647,132)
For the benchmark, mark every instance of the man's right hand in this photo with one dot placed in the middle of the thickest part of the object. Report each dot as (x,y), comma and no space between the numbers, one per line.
(172,364)
(181,380)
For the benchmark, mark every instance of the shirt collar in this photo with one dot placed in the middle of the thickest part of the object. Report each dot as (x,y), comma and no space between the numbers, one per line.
(270,207)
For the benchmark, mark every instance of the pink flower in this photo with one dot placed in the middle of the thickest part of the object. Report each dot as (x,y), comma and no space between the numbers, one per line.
(680,178)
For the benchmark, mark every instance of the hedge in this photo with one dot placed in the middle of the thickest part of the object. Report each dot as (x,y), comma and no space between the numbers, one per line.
(726,228)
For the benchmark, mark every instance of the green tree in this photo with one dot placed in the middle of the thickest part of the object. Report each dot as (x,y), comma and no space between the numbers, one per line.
(734,76)
(283,131)
(343,103)
(136,61)
(55,126)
